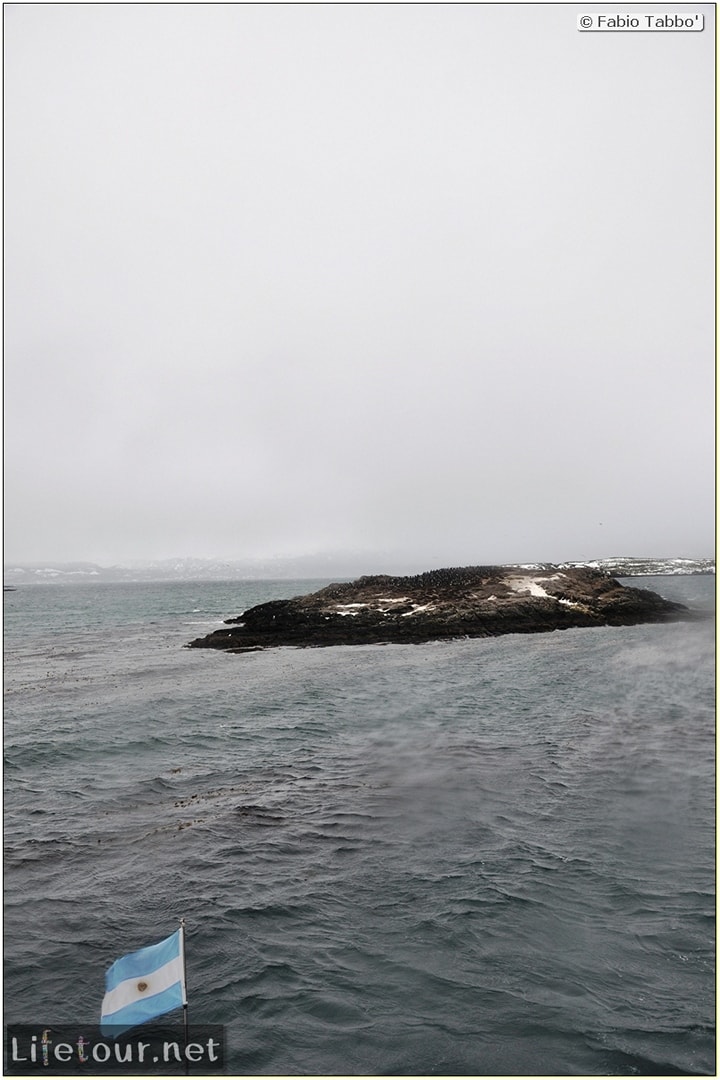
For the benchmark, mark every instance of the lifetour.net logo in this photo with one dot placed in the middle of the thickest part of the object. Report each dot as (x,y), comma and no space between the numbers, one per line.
(149,1050)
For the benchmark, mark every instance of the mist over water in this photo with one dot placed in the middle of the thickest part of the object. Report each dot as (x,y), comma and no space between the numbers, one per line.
(477,857)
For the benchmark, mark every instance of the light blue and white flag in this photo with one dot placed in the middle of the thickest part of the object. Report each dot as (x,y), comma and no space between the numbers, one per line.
(143,985)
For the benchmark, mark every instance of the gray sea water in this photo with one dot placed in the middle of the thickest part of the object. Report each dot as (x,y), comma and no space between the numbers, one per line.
(480,857)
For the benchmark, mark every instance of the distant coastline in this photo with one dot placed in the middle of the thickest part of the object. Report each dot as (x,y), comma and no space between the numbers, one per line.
(309,568)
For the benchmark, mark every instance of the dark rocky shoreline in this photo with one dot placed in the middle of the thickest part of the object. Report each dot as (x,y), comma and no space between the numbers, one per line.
(475,601)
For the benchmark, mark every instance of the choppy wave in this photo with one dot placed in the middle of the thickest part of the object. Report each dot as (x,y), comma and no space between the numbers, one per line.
(476,857)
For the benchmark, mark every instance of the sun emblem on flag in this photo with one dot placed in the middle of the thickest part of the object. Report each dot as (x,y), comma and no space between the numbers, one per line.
(142,987)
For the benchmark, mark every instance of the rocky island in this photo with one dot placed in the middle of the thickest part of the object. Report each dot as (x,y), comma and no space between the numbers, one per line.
(472,601)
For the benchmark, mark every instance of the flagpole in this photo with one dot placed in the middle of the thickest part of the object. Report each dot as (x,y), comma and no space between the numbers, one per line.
(184,992)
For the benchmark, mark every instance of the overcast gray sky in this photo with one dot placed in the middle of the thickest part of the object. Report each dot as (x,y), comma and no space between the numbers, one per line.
(284,279)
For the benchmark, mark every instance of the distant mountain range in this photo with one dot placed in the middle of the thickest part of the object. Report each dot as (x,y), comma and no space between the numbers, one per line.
(631,566)
(311,567)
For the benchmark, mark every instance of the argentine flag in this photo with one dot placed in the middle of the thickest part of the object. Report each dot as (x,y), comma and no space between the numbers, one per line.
(143,985)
